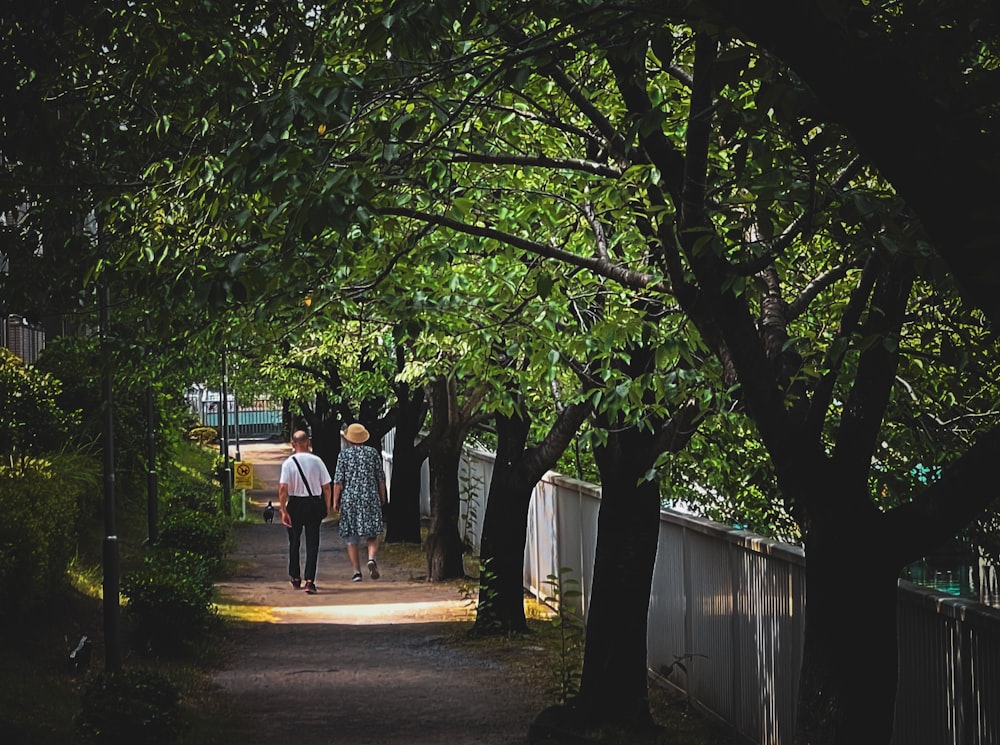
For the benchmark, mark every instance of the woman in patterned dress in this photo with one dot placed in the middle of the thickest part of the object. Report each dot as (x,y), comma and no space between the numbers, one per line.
(359,495)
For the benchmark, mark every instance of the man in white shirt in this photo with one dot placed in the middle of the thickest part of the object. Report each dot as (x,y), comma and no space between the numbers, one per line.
(304,495)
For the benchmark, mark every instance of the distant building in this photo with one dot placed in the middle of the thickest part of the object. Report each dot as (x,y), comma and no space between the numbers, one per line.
(23,338)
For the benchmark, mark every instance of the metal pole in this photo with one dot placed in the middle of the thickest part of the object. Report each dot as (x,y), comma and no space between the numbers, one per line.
(227,471)
(110,558)
(238,458)
(236,424)
(152,494)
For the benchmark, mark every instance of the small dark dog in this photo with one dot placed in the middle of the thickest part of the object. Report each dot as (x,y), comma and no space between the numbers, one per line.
(269,513)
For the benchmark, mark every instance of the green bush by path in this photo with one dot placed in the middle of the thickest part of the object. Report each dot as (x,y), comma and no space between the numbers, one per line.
(170,602)
(130,706)
(204,436)
(39,536)
(198,532)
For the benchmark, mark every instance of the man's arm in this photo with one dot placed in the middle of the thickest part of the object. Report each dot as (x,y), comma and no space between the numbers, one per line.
(283,504)
(327,496)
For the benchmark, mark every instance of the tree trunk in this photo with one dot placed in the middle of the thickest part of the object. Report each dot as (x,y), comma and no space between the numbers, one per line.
(847,685)
(403,510)
(505,529)
(444,544)
(516,470)
(402,513)
(614,687)
(325,431)
(848,680)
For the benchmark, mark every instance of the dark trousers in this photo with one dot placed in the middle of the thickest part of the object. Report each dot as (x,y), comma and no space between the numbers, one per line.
(306,514)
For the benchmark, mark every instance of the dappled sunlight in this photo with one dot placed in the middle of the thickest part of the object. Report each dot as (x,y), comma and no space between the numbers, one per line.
(356,614)
(251,613)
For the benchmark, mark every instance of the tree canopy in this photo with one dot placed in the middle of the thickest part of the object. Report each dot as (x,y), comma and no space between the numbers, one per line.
(773,217)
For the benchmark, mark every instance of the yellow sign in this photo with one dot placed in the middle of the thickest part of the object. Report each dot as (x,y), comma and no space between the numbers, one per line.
(243,475)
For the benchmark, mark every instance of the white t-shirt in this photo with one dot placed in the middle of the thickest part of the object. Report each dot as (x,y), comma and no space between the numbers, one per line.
(314,469)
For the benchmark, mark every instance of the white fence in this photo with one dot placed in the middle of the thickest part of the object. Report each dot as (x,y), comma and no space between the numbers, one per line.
(728,605)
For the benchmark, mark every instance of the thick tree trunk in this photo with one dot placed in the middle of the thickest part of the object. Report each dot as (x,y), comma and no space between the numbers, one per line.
(848,681)
(403,510)
(614,687)
(505,529)
(847,686)
(324,425)
(327,445)
(444,544)
(402,513)
(516,470)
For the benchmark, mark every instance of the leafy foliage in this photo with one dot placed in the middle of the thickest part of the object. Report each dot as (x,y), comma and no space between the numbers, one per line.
(198,532)
(37,546)
(170,601)
(572,629)
(130,706)
(31,420)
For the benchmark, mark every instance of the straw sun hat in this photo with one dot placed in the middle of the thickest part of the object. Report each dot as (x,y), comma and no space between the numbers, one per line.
(356,433)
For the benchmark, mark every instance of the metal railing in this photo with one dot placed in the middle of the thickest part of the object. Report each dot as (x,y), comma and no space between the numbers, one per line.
(729,605)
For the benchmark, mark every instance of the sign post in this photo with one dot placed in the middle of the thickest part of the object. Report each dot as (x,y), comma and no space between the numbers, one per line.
(243,480)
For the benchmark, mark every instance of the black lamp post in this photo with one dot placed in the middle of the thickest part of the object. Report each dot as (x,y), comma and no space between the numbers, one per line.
(110,557)
(227,471)
(152,495)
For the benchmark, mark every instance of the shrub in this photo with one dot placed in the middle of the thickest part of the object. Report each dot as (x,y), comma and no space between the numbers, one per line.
(202,497)
(31,421)
(204,436)
(130,706)
(39,537)
(170,596)
(198,532)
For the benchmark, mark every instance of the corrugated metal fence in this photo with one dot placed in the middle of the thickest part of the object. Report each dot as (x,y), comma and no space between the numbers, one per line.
(727,605)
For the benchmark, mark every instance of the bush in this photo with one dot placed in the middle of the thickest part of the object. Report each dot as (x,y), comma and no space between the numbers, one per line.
(198,532)
(31,420)
(202,497)
(170,601)
(204,436)
(130,706)
(38,538)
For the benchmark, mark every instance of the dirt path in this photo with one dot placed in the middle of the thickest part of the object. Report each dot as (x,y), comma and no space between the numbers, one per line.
(369,663)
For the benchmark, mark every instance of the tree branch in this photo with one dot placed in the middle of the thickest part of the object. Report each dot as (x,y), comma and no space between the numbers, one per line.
(625,277)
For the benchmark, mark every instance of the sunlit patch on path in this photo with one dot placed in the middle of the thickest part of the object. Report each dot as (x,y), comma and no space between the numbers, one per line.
(364,613)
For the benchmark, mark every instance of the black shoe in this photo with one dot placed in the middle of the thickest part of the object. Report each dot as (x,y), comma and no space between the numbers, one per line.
(373,569)
(310,587)
(356,577)
(296,583)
